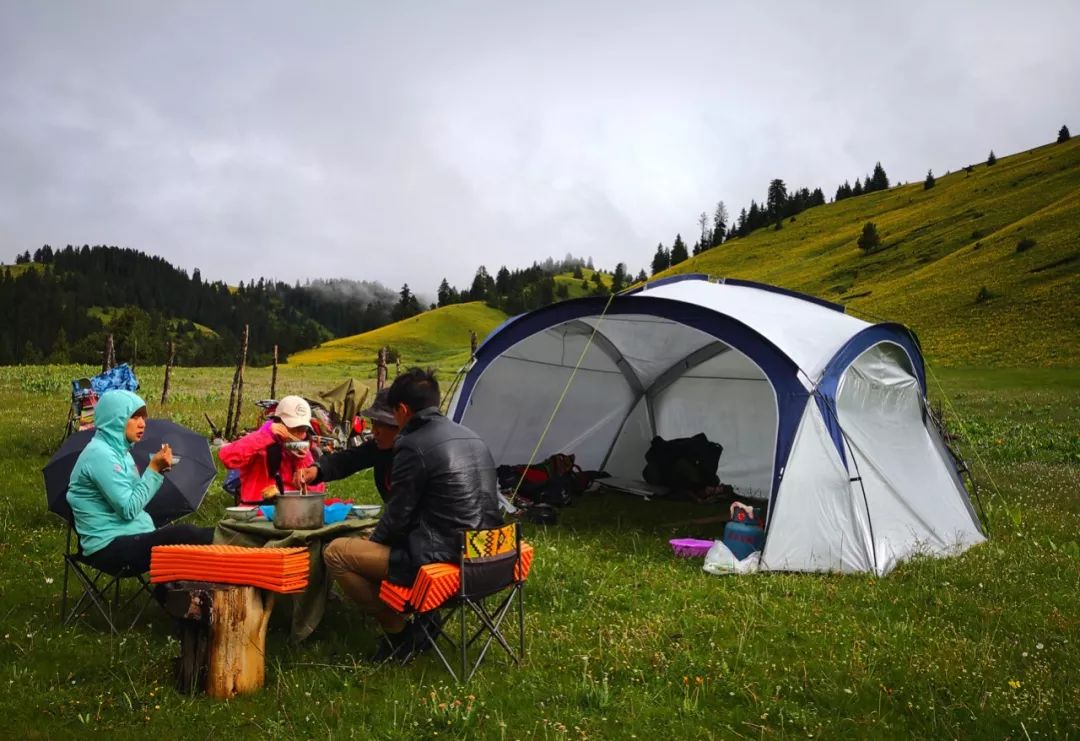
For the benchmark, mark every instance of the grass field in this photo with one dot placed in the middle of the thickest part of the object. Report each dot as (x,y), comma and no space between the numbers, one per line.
(940,248)
(439,337)
(624,641)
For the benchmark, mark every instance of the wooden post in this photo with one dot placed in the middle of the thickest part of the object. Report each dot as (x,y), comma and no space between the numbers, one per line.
(222,637)
(240,385)
(273,376)
(380,375)
(109,356)
(472,344)
(232,421)
(168,372)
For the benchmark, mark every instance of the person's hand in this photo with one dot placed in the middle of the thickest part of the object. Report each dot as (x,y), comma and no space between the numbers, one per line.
(304,476)
(163,459)
(281,432)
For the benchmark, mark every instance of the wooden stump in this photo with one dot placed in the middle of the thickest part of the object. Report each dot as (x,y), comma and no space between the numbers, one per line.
(222,637)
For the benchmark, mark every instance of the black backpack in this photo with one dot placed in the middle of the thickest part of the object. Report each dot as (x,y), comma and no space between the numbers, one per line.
(686,463)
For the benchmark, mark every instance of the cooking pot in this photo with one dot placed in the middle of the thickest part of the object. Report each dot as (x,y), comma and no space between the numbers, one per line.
(295,511)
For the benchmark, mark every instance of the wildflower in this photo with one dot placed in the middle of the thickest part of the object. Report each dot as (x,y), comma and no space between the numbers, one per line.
(48,580)
(1014,683)
(1039,646)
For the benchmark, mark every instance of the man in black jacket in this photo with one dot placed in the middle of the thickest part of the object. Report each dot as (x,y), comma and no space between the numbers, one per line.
(443,482)
(377,453)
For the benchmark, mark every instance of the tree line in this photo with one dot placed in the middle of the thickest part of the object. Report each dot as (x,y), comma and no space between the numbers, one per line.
(61,307)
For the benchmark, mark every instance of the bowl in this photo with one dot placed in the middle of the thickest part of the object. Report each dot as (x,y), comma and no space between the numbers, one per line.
(690,547)
(365,511)
(242,514)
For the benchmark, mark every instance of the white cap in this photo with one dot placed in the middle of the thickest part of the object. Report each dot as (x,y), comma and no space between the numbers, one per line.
(294,411)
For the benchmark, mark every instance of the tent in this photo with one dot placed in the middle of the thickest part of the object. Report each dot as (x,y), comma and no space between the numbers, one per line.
(821,414)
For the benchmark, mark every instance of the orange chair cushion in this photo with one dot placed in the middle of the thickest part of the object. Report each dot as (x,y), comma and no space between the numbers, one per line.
(437,582)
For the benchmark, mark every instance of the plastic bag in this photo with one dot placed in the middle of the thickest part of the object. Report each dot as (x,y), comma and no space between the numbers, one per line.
(720,560)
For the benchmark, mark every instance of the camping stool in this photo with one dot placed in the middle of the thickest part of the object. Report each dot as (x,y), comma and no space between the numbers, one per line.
(491,561)
(96,585)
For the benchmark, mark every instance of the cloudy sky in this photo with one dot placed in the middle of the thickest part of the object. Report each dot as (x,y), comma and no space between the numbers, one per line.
(407,141)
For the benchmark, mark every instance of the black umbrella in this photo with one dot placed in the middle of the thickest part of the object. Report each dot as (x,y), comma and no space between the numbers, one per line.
(184,487)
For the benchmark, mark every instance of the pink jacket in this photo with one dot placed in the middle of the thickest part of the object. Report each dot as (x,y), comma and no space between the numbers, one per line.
(248,454)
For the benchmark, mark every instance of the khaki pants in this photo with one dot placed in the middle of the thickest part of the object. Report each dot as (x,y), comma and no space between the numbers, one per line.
(359,566)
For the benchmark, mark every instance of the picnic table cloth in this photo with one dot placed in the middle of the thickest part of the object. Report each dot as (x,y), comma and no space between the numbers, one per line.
(309,605)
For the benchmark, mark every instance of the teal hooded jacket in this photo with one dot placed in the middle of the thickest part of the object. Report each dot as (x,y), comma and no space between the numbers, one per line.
(105,491)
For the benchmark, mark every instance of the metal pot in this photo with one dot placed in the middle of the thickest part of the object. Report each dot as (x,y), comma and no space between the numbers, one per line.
(294,511)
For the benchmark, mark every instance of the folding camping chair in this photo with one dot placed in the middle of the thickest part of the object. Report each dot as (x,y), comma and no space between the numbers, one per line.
(492,561)
(96,585)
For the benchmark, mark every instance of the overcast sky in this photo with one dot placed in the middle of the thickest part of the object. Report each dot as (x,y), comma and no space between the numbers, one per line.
(408,141)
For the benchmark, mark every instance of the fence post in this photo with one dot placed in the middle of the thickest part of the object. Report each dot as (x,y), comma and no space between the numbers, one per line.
(109,356)
(273,377)
(472,343)
(380,373)
(236,396)
(168,372)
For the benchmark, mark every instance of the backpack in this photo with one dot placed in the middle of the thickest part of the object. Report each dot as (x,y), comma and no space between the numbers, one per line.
(555,481)
(684,464)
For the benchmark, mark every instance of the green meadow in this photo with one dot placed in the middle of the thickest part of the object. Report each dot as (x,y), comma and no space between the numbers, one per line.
(984,266)
(623,639)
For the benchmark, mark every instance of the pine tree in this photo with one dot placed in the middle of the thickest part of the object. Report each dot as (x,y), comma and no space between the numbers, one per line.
(991,160)
(777,201)
(641,277)
(857,189)
(706,235)
(720,224)
(678,251)
(869,238)
(879,181)
(618,280)
(1063,134)
(929,182)
(661,260)
(502,281)
(445,293)
(61,351)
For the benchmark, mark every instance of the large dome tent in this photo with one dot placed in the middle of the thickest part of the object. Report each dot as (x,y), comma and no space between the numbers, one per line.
(820,413)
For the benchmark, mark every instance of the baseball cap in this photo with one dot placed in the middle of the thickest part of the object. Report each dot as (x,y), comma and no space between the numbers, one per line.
(380,409)
(294,411)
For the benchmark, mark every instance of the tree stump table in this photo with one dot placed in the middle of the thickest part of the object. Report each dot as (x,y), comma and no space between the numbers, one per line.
(222,636)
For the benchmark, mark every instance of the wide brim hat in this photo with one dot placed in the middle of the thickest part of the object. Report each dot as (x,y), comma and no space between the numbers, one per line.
(380,409)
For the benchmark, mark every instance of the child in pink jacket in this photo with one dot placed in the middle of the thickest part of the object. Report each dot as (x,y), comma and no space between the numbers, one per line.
(277,449)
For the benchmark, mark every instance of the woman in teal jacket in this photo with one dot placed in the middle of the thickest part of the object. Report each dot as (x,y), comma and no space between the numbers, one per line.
(108,496)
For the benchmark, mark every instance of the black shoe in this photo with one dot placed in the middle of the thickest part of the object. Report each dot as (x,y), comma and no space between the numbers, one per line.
(396,647)
(428,625)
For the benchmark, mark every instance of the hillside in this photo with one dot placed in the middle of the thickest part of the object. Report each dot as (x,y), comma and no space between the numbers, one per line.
(439,336)
(940,248)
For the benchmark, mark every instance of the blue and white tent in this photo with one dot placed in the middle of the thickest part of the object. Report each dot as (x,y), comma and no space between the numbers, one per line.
(822,414)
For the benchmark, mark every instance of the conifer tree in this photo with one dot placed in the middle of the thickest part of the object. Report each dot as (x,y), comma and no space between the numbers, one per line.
(678,251)
(879,180)
(720,224)
(661,260)
(869,238)
(991,160)
(929,182)
(857,189)
(1063,134)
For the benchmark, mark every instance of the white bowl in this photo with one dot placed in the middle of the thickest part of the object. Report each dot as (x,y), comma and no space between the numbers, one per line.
(367,510)
(241,513)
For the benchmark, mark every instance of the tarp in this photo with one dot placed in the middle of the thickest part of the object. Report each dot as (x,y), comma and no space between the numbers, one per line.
(344,401)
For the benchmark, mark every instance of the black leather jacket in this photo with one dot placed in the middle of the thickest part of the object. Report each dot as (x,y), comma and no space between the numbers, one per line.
(443,482)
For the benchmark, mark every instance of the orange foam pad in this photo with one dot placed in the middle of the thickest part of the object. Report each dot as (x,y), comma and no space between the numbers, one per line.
(435,583)
(276,569)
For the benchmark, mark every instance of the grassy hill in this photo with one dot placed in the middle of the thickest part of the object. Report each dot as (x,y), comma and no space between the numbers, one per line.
(940,248)
(440,337)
